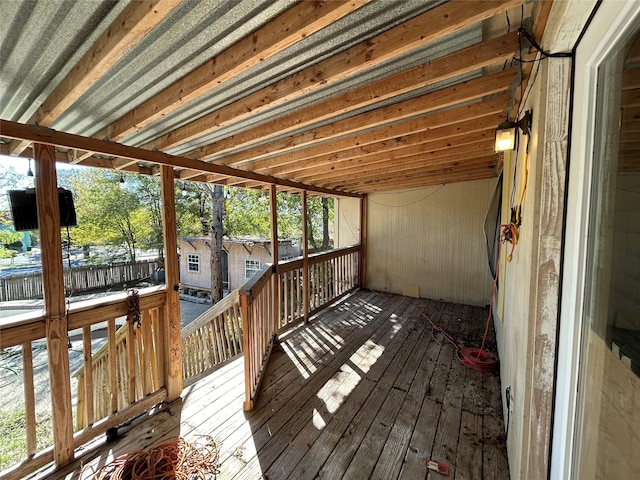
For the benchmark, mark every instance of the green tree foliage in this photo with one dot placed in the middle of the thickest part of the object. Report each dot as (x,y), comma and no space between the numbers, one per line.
(247,213)
(193,210)
(147,190)
(10,240)
(110,215)
(320,219)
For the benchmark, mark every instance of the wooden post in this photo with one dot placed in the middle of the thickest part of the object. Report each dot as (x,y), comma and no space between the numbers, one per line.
(273,205)
(246,348)
(173,340)
(305,258)
(363,242)
(277,304)
(54,302)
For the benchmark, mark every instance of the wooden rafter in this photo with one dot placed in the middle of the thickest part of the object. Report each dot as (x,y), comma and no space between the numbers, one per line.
(418,165)
(133,23)
(431,102)
(437,125)
(395,161)
(473,58)
(293,25)
(382,151)
(46,136)
(424,181)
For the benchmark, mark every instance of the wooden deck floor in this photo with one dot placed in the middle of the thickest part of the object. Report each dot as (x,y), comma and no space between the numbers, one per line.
(362,392)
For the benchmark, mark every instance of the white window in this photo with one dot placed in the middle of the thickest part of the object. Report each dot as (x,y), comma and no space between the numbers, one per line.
(251,267)
(193,262)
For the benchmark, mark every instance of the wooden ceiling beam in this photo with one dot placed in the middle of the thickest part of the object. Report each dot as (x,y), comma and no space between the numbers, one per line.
(135,21)
(93,161)
(410,164)
(470,59)
(443,124)
(421,30)
(428,182)
(436,125)
(19,131)
(430,102)
(439,169)
(416,181)
(291,26)
(373,156)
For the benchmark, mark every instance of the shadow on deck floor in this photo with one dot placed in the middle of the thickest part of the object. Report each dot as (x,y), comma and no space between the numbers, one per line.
(364,391)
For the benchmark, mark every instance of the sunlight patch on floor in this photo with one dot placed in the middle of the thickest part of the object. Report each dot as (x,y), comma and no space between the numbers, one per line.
(343,383)
(303,369)
(318,421)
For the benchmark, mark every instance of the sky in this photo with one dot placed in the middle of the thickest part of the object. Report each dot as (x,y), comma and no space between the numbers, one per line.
(21,165)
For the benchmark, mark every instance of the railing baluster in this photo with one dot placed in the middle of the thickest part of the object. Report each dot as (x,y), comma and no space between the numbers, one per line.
(131,362)
(113,380)
(88,413)
(29,398)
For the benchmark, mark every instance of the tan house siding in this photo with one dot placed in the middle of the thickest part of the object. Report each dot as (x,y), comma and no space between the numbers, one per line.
(202,278)
(430,238)
(237,253)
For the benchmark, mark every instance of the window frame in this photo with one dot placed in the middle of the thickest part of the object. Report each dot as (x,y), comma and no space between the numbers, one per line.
(190,262)
(253,269)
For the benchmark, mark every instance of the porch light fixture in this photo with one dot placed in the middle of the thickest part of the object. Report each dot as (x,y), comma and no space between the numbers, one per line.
(29,171)
(507,130)
(121,180)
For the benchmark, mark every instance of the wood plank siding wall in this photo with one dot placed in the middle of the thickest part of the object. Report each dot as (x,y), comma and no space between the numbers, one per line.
(430,238)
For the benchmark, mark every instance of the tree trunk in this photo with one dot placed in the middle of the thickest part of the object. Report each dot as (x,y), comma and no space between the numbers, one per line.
(325,223)
(217,209)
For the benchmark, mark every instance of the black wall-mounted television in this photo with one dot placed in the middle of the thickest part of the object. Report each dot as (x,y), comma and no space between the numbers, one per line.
(25,211)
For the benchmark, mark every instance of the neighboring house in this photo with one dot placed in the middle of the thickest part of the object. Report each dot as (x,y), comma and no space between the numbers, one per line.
(241,259)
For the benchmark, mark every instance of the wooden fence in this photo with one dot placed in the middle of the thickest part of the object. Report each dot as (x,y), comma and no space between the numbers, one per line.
(26,286)
(125,369)
(260,328)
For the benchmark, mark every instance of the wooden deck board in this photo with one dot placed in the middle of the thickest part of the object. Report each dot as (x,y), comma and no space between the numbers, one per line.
(366,390)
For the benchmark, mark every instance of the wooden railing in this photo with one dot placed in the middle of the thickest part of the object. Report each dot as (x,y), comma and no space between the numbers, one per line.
(260,327)
(276,300)
(126,375)
(212,338)
(331,275)
(78,279)
(126,368)
(129,374)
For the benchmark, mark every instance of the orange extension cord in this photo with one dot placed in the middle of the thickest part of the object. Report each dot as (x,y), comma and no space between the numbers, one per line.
(472,357)
(177,459)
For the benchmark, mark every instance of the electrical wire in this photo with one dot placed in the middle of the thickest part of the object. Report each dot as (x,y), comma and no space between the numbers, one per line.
(411,203)
(174,460)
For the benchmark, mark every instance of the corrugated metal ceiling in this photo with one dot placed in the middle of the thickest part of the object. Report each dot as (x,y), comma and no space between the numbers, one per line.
(43,41)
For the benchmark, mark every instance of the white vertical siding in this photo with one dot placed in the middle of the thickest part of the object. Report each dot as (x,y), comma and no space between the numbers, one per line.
(431,238)
(347,221)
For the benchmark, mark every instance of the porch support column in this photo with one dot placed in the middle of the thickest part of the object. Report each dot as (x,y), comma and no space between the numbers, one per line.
(305,258)
(54,302)
(363,242)
(273,205)
(172,334)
